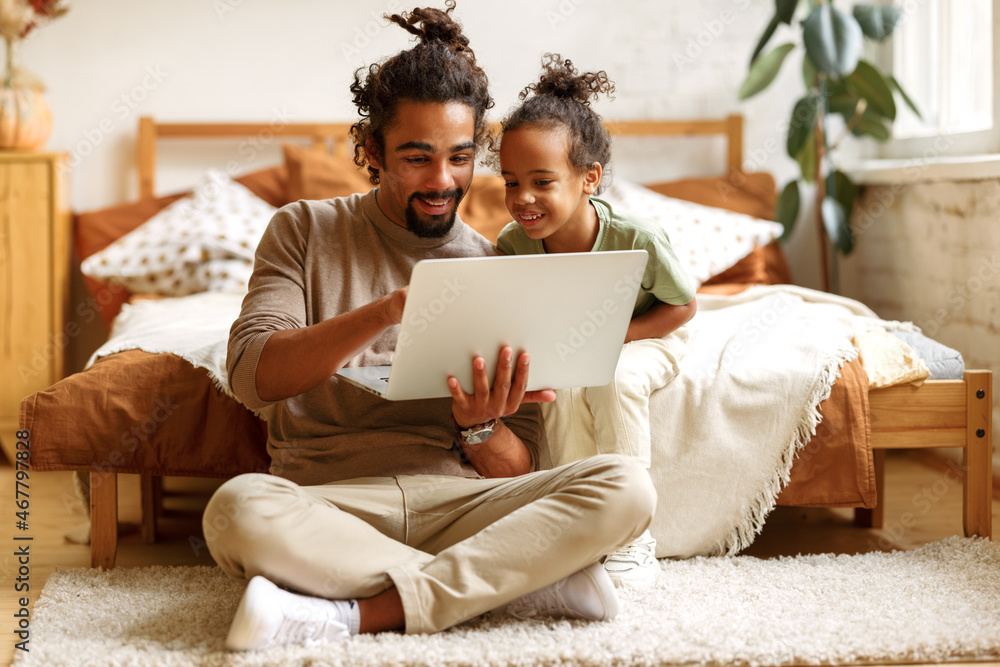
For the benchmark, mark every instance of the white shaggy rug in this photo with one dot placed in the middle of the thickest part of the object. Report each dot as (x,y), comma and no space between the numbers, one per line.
(939,602)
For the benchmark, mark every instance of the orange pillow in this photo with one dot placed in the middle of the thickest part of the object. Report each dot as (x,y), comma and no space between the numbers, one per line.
(271,185)
(314,174)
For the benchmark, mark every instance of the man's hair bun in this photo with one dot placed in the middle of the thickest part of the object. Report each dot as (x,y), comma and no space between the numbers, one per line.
(433,25)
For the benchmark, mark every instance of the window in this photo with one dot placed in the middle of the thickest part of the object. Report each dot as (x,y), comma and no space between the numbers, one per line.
(944,56)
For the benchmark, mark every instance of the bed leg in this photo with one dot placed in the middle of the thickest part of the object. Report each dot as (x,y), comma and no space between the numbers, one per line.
(103,519)
(977,488)
(866,517)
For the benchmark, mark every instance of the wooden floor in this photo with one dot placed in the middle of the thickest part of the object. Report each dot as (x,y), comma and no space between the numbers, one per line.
(914,490)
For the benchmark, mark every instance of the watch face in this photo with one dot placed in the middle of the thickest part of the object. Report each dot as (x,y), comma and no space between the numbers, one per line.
(478,434)
(478,437)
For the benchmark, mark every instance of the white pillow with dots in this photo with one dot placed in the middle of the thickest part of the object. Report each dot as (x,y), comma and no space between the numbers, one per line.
(202,243)
(706,240)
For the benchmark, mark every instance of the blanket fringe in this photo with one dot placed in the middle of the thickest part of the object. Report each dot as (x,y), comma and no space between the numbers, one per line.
(744,533)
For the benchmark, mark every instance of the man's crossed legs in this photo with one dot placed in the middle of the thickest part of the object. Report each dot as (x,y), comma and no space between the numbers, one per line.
(453,548)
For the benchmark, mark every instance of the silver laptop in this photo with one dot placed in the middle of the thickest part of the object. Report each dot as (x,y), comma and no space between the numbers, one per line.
(569,311)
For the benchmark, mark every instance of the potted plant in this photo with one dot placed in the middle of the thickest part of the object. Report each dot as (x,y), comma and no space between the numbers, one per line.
(838,81)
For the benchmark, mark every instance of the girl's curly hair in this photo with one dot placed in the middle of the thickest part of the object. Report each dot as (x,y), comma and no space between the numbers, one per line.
(561,98)
(440,68)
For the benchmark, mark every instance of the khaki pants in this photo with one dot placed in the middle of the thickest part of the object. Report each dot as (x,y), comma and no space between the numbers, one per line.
(453,547)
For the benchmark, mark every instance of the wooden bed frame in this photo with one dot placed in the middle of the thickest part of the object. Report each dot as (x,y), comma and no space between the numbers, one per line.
(941,413)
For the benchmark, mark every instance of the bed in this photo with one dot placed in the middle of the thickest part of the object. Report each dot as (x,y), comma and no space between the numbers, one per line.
(155,414)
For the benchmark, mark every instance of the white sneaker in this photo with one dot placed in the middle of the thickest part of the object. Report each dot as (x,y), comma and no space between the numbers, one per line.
(587,594)
(635,564)
(270,616)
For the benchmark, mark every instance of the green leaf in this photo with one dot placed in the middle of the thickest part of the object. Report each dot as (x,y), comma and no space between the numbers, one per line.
(869,84)
(809,73)
(878,21)
(771,27)
(840,187)
(763,70)
(787,210)
(833,40)
(902,93)
(807,159)
(840,99)
(802,123)
(784,10)
(871,124)
(836,225)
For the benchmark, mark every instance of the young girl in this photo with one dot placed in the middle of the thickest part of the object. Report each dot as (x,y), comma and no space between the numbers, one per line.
(553,152)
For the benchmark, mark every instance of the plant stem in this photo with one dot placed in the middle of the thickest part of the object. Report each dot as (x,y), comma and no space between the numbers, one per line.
(859,110)
(820,195)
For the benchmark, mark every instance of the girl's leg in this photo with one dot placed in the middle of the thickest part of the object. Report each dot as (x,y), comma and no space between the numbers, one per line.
(621,408)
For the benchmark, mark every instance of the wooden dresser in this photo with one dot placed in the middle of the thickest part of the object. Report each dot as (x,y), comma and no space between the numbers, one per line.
(34,279)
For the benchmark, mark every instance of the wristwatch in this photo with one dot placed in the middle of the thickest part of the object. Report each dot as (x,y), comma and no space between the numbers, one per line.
(477,434)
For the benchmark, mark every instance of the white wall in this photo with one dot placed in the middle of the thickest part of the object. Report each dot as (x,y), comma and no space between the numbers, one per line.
(107,62)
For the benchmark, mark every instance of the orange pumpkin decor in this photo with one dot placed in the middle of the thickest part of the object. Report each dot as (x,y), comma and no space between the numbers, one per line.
(25,119)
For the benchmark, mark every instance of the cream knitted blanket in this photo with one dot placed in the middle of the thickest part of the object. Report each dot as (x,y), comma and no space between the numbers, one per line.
(725,431)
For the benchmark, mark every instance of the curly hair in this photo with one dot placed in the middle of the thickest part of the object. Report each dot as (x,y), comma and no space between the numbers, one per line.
(561,98)
(440,68)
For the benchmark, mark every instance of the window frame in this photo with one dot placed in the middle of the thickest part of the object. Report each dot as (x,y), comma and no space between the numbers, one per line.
(945,144)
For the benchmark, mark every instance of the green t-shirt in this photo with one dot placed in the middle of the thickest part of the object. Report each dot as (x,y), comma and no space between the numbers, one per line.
(664,280)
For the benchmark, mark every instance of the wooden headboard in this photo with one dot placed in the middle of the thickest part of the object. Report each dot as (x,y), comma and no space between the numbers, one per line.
(334,137)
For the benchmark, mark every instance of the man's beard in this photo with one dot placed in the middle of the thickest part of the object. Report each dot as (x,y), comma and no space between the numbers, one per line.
(435,226)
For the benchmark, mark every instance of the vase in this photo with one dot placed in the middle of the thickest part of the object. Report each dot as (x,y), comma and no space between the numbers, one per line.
(25,117)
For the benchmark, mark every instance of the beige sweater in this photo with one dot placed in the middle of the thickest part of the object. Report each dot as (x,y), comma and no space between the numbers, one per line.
(319,259)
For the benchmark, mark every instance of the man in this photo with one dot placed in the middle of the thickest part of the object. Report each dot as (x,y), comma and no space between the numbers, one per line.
(412,515)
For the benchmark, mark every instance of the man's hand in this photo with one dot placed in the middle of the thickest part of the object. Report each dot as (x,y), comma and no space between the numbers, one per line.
(503,454)
(296,360)
(503,398)
(394,302)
